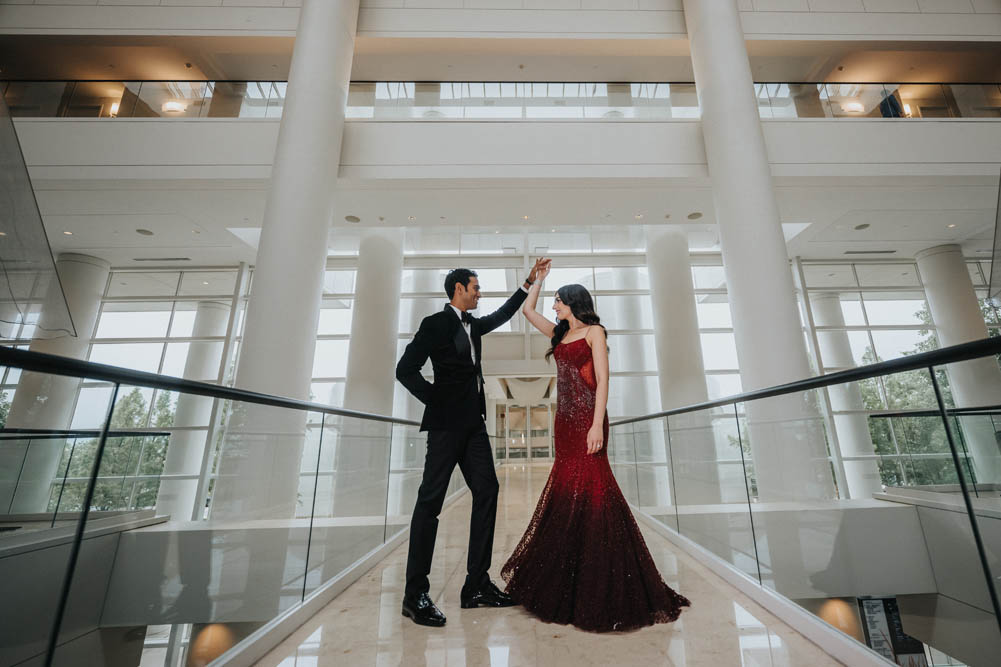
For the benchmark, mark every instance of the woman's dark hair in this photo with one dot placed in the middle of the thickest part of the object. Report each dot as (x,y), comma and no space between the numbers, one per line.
(579,300)
(457,276)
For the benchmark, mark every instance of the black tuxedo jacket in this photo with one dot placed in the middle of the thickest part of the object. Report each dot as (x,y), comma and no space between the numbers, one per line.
(454,401)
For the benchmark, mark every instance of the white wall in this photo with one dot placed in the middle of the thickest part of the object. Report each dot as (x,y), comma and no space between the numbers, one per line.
(243,149)
(762,19)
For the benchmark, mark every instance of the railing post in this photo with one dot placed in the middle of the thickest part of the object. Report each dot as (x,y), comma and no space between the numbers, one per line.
(978,540)
(80,528)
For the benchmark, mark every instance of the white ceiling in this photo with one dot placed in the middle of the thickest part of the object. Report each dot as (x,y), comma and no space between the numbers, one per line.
(215,222)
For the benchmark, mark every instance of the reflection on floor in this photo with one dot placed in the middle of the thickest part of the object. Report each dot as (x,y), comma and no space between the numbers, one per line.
(363,626)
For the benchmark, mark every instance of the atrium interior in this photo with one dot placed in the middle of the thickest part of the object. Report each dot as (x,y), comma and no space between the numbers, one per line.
(222,222)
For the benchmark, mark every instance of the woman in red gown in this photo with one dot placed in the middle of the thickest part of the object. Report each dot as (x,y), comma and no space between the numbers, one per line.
(583,560)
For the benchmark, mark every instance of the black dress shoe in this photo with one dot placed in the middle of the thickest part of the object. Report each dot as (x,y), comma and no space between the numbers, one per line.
(488,595)
(422,610)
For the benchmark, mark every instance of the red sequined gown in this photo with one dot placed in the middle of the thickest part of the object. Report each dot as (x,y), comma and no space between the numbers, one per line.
(583,560)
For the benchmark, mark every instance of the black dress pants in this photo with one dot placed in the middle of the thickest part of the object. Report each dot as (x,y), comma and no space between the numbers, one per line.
(470,449)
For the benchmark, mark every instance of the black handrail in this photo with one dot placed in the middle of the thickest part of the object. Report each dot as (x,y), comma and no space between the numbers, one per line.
(55,365)
(57,434)
(924,360)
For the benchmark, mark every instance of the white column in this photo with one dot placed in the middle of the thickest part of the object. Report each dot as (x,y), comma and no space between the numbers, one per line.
(789,453)
(680,367)
(853,429)
(956,314)
(363,450)
(260,461)
(46,401)
(186,448)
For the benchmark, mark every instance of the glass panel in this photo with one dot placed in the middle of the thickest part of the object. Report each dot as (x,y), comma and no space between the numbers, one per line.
(559,277)
(406,468)
(626,312)
(335,317)
(208,283)
(632,353)
(153,283)
(654,471)
(887,275)
(137,356)
(341,282)
(889,308)
(632,396)
(795,100)
(975,100)
(709,277)
(171,99)
(38,99)
(237,99)
(713,312)
(331,358)
(424,280)
(42,479)
(622,459)
(863,100)
(101,99)
(721,386)
(134,320)
(891,344)
(925,100)
(349,505)
(719,351)
(710,490)
(616,278)
(829,275)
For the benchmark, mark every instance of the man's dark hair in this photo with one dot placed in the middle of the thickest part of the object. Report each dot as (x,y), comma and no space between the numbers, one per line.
(456,276)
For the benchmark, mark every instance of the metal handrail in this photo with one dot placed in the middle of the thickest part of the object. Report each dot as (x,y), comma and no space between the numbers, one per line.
(923,360)
(55,365)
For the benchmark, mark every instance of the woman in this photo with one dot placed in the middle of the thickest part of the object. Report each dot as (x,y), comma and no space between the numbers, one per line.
(583,560)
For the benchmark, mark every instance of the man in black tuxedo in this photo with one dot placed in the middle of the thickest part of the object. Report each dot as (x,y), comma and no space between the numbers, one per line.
(454,416)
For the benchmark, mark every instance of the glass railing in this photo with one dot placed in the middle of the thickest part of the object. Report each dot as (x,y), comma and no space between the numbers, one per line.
(429,101)
(900,550)
(169,546)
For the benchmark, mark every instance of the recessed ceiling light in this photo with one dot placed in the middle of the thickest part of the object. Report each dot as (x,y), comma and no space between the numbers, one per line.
(553,231)
(173,106)
(68,233)
(195,231)
(638,216)
(695,215)
(852,107)
(381,218)
(205,282)
(496,231)
(412,218)
(352,218)
(144,232)
(951,226)
(3,233)
(524,217)
(864,225)
(667,216)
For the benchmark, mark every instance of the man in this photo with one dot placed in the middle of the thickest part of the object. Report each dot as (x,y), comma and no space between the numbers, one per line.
(454,416)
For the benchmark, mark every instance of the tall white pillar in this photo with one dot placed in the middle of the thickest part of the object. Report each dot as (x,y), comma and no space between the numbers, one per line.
(853,428)
(46,401)
(790,458)
(956,314)
(186,448)
(260,461)
(680,367)
(363,449)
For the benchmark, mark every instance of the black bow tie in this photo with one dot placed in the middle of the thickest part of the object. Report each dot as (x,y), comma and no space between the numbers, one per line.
(466,318)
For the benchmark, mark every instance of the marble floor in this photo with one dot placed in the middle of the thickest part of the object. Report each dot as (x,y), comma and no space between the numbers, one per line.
(363,625)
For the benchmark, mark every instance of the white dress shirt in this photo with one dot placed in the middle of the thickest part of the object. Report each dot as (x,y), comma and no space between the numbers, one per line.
(466,328)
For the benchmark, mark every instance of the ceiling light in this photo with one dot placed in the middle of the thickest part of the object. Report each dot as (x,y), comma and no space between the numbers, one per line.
(864,225)
(173,106)
(114,109)
(205,282)
(951,225)
(553,231)
(496,231)
(352,218)
(638,216)
(667,216)
(412,218)
(695,215)
(68,233)
(195,231)
(907,109)
(853,107)
(524,217)
(144,232)
(3,233)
